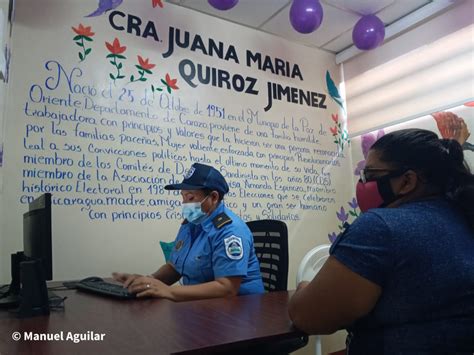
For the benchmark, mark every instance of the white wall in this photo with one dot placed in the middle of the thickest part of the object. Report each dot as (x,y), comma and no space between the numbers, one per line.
(83,245)
(4,39)
(421,71)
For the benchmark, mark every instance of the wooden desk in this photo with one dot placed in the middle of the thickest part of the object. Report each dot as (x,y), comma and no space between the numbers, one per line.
(153,326)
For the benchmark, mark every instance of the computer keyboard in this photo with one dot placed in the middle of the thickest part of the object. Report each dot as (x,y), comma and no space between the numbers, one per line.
(105,288)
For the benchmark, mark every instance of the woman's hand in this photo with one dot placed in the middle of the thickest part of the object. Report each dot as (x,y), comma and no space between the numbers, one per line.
(146,286)
(124,278)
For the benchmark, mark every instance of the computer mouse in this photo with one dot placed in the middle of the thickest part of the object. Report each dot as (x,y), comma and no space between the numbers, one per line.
(92,279)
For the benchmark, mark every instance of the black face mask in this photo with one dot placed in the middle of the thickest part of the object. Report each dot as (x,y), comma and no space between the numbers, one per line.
(385,189)
(382,196)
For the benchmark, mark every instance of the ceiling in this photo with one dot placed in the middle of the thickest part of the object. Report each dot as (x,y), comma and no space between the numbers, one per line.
(339,17)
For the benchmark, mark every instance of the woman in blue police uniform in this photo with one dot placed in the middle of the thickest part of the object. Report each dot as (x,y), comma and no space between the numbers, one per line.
(213,253)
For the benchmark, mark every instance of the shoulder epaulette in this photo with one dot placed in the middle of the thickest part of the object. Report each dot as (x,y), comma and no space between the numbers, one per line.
(221,220)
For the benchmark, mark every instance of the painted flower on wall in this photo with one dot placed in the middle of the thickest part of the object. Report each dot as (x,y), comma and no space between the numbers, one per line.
(451,126)
(83,34)
(168,84)
(367,140)
(332,237)
(344,218)
(116,52)
(143,66)
(156,3)
(340,134)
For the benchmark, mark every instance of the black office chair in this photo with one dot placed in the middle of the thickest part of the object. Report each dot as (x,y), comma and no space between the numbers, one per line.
(270,239)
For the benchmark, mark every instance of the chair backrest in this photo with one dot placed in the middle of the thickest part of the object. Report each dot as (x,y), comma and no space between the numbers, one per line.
(312,263)
(270,239)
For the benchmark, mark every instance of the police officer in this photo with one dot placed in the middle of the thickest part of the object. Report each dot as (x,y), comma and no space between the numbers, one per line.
(213,253)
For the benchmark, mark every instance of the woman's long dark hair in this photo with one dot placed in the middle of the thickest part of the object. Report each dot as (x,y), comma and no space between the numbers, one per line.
(440,162)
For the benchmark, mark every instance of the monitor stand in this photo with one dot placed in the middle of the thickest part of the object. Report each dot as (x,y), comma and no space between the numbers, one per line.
(27,291)
(9,301)
(34,293)
(11,298)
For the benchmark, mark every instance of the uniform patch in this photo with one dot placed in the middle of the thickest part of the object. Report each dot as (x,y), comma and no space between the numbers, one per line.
(190,172)
(233,247)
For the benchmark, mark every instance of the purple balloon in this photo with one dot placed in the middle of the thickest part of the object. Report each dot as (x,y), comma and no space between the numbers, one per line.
(368,33)
(223,4)
(306,15)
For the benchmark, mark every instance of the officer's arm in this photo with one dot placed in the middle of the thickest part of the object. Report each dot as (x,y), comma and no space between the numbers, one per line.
(167,274)
(221,287)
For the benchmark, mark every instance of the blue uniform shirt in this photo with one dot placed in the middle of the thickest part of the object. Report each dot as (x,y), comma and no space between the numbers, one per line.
(422,256)
(203,252)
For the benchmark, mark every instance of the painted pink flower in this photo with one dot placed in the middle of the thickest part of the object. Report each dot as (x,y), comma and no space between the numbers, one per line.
(144,66)
(115,47)
(156,3)
(171,83)
(144,63)
(116,52)
(83,31)
(168,83)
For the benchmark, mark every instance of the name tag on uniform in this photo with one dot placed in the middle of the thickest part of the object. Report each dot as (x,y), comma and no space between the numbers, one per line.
(233,247)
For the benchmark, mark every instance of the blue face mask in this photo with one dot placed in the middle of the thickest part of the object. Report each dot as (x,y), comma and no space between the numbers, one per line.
(193,213)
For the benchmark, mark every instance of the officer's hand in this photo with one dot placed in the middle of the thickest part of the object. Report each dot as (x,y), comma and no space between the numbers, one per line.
(150,287)
(125,278)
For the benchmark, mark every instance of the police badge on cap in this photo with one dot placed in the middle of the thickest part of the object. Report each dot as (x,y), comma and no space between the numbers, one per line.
(190,172)
(199,177)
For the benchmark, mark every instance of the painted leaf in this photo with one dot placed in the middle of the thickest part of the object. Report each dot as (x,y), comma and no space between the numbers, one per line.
(112,76)
(81,57)
(121,56)
(110,56)
(332,88)
(167,248)
(142,79)
(120,76)
(88,50)
(152,87)
(147,71)
(88,39)
(119,66)
(79,44)
(77,38)
(132,78)
(333,91)
(169,89)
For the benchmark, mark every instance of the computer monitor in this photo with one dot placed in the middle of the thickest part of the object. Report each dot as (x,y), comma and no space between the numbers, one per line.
(31,267)
(37,240)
